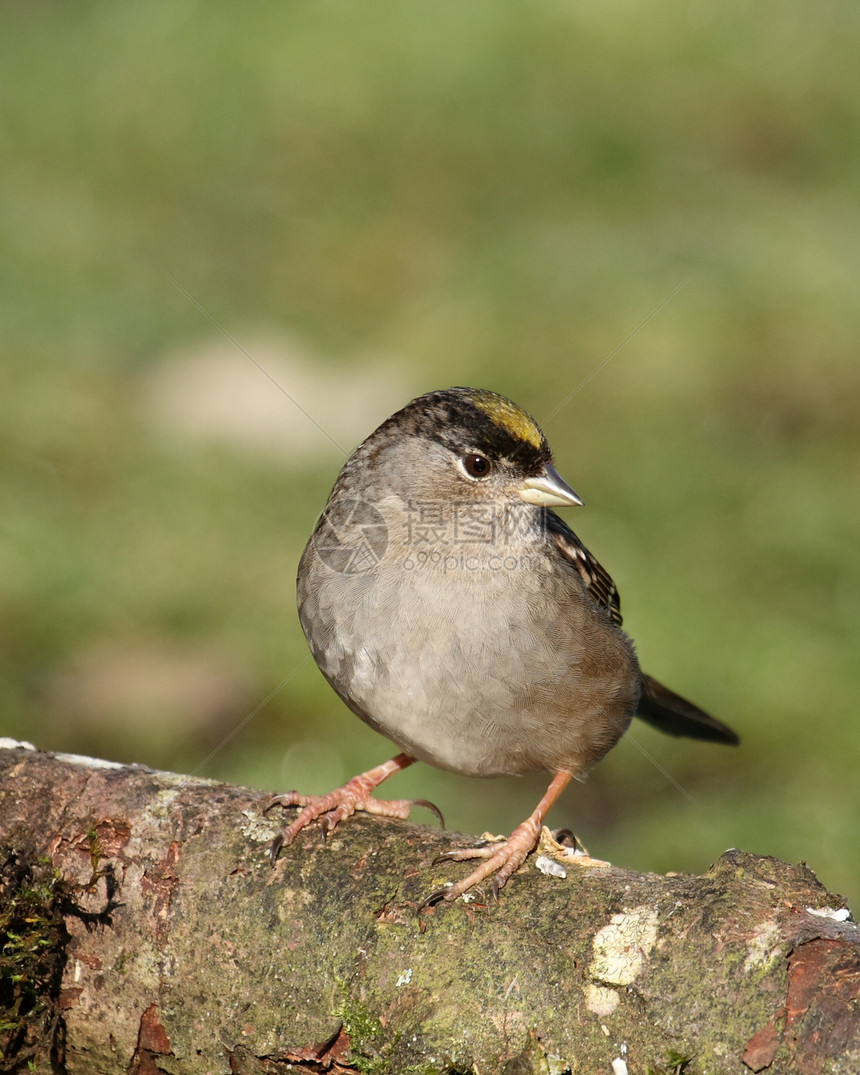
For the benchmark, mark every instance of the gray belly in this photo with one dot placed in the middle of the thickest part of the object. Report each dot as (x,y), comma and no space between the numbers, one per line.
(470,672)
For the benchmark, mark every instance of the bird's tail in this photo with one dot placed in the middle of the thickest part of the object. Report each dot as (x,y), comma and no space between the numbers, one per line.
(676,716)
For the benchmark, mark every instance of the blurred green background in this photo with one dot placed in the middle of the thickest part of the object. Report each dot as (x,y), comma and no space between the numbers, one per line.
(227,231)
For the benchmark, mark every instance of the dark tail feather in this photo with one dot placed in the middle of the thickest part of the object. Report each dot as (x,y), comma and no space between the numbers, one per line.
(676,716)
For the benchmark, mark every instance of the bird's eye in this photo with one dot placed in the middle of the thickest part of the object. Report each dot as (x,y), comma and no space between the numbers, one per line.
(476,466)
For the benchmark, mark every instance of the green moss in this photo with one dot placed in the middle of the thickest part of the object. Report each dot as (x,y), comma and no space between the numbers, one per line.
(122,963)
(95,848)
(675,1064)
(365,1033)
(32,955)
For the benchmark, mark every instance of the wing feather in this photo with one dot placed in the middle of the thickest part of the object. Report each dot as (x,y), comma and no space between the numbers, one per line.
(598,582)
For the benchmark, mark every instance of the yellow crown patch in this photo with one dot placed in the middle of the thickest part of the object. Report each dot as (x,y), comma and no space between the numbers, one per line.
(509,416)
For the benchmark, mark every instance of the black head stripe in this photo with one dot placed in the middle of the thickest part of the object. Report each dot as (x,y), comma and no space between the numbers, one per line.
(497,428)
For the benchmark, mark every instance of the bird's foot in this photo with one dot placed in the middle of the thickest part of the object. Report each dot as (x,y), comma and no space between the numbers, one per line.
(336,806)
(501,859)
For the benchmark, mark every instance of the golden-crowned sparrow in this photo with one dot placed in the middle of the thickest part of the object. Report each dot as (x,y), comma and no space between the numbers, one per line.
(456,614)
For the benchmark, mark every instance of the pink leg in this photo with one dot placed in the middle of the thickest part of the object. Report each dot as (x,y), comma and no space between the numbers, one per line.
(504,858)
(344,802)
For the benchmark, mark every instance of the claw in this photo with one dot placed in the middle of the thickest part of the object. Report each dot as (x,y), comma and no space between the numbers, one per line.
(435,897)
(429,806)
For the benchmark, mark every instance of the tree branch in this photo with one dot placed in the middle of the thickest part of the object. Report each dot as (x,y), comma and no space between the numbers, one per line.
(179,948)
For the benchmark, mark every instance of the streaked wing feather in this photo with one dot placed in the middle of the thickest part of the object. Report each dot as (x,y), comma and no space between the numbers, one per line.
(598,582)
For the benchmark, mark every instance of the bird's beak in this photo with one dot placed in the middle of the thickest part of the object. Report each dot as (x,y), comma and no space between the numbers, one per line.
(548,490)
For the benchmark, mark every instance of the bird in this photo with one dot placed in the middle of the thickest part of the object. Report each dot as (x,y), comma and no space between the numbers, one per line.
(457,614)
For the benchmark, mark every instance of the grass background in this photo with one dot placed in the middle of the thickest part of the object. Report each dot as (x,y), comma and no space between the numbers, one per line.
(232,234)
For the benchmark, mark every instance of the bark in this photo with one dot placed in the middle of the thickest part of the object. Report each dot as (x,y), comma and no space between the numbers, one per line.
(163,940)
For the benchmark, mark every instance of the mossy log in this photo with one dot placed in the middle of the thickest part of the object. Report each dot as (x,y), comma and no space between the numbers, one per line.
(162,939)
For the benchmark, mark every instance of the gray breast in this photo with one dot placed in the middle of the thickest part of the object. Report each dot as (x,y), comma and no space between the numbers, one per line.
(464,664)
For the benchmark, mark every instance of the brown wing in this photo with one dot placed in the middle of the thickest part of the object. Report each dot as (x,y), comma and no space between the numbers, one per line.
(598,582)
(658,705)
